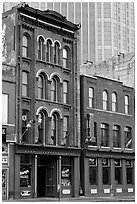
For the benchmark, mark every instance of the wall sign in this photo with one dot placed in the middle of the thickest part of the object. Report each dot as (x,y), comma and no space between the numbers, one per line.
(25,193)
(66,191)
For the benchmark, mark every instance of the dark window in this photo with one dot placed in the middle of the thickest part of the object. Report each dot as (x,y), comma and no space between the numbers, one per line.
(65,92)
(54,129)
(104,135)
(56,53)
(93,171)
(42,87)
(49,51)
(118,171)
(116,136)
(106,171)
(128,137)
(54,89)
(129,171)
(41,52)
(65,139)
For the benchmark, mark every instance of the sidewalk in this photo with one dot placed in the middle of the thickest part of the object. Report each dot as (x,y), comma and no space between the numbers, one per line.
(78,199)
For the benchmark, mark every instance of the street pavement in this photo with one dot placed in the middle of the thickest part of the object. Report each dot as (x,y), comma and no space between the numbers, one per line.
(78,199)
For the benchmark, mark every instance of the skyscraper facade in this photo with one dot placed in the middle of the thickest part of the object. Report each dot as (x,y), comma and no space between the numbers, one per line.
(107,28)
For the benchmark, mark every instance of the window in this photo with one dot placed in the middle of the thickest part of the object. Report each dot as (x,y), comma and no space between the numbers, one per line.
(42,84)
(66,165)
(25,46)
(65,131)
(128,137)
(105,100)
(65,92)
(56,53)
(54,90)
(106,171)
(104,135)
(41,54)
(48,51)
(5,109)
(25,132)
(129,171)
(114,102)
(118,171)
(91,97)
(42,127)
(54,129)
(93,171)
(116,136)
(25,171)
(24,83)
(65,58)
(126,104)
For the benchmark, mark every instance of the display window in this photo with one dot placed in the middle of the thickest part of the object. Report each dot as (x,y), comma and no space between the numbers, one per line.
(129,171)
(66,172)
(106,171)
(93,171)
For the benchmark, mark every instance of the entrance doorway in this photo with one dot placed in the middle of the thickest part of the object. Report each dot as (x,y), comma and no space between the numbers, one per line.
(47,177)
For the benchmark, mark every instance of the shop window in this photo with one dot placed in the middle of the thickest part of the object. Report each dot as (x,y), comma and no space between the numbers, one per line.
(128,137)
(114,102)
(91,97)
(105,100)
(116,136)
(93,171)
(42,87)
(49,51)
(129,171)
(24,83)
(25,171)
(56,53)
(26,46)
(118,171)
(106,171)
(126,104)
(104,135)
(66,168)
(5,108)
(54,129)
(65,92)
(41,50)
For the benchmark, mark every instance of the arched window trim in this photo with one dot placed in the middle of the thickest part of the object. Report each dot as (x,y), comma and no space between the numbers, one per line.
(41,48)
(49,45)
(44,88)
(57,52)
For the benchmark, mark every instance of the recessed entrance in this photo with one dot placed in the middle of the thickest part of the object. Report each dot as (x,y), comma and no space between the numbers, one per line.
(47,176)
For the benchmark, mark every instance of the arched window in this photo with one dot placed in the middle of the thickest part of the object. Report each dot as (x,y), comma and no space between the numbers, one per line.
(42,127)
(41,53)
(42,87)
(48,50)
(65,58)
(114,102)
(105,100)
(25,46)
(24,83)
(55,89)
(56,53)
(54,129)
(126,104)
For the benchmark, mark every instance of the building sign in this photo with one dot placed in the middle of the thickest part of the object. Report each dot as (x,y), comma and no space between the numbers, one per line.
(5,159)
(3,134)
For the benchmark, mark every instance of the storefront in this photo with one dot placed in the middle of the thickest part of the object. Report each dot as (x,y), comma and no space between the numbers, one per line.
(108,174)
(46,172)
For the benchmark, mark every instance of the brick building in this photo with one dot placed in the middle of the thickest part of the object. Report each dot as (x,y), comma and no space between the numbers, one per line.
(40,80)
(107,137)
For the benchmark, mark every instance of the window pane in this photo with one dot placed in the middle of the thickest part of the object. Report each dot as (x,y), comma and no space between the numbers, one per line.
(25,46)
(105,100)
(4,108)
(104,135)
(91,97)
(65,92)
(116,136)
(24,84)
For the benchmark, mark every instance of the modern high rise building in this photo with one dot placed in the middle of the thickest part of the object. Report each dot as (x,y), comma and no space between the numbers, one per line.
(107,28)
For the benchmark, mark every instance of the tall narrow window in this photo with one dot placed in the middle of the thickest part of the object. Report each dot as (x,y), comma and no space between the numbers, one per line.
(41,48)
(65,131)
(4,108)
(104,135)
(25,46)
(24,83)
(126,104)
(118,171)
(65,58)
(56,53)
(54,90)
(105,100)
(91,97)
(48,51)
(54,129)
(42,127)
(116,136)
(93,171)
(106,171)
(114,102)
(65,92)
(40,87)
(128,137)
(129,172)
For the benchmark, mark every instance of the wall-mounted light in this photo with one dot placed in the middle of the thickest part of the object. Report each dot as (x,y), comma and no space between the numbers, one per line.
(29,124)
